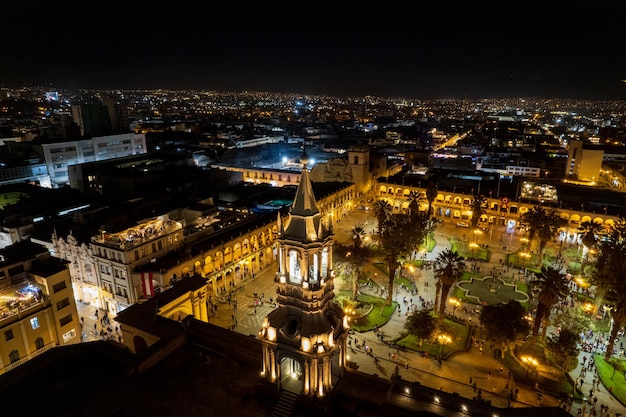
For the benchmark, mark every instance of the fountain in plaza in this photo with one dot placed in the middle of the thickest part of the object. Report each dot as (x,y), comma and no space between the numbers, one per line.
(491,290)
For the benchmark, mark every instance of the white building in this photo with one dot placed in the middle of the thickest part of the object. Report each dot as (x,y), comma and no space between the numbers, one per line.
(60,155)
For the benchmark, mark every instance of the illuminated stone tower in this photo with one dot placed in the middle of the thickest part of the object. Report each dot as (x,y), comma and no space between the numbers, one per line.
(304,338)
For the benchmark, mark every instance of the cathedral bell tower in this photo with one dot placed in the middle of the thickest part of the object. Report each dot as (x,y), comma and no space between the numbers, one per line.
(304,338)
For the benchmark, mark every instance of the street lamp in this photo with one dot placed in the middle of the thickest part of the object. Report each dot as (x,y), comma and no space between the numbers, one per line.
(443,339)
(473,247)
(529,361)
(455,304)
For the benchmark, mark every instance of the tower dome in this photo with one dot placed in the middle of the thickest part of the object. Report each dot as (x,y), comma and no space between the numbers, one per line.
(304,158)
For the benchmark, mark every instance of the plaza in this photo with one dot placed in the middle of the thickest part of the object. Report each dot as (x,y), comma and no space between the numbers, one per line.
(370,353)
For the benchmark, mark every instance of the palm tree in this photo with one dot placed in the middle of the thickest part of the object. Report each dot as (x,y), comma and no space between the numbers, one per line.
(534,218)
(590,231)
(416,199)
(401,234)
(357,236)
(618,314)
(543,224)
(551,286)
(431,195)
(382,210)
(478,206)
(610,265)
(448,269)
(548,229)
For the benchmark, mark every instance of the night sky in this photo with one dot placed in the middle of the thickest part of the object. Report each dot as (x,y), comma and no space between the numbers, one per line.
(449,49)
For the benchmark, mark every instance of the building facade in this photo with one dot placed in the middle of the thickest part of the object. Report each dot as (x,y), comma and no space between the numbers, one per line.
(116,254)
(59,156)
(37,306)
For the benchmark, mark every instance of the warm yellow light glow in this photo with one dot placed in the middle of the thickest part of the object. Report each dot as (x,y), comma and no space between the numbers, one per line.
(306,344)
(529,360)
(271,334)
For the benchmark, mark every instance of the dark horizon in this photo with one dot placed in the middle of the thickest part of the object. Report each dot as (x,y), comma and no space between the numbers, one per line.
(556,49)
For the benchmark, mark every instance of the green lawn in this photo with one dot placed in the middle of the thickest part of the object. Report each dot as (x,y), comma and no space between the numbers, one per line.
(374,312)
(613,379)
(459,333)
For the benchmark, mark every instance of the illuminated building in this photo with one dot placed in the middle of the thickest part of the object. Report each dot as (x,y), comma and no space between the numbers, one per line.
(304,338)
(37,307)
(117,253)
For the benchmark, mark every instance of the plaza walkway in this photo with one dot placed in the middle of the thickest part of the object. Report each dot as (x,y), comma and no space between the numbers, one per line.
(469,373)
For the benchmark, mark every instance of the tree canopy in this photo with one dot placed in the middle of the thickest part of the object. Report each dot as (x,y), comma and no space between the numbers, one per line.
(505,323)
(420,324)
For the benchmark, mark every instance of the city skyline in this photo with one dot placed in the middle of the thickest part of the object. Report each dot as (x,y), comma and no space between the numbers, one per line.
(444,50)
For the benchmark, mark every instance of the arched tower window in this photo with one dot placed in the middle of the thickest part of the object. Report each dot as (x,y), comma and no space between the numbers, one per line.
(294,266)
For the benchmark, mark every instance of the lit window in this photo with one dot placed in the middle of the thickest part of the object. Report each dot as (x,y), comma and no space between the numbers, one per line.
(34,323)
(69,335)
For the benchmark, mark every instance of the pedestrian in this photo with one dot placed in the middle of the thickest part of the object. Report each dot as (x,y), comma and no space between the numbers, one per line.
(406,365)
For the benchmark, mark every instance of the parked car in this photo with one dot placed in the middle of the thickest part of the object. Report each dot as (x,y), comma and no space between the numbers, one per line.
(462,224)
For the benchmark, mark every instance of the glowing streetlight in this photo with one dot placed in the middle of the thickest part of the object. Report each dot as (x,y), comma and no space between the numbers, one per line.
(529,361)
(455,304)
(443,339)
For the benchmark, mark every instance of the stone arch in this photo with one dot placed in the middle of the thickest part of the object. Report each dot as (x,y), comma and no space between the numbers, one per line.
(585,218)
(219,260)
(140,345)
(228,255)
(245,247)
(291,374)
(237,251)
(208,265)
(457,200)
